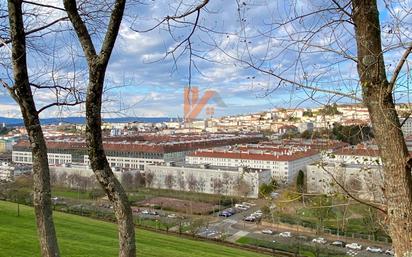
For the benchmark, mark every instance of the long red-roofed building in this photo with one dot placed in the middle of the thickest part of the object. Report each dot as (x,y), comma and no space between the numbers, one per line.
(283,159)
(131,152)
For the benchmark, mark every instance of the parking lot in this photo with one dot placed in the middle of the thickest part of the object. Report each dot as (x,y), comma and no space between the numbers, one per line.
(348,248)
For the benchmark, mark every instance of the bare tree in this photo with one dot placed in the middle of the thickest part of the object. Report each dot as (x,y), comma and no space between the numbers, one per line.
(181,182)
(377,94)
(73,180)
(97,64)
(127,180)
(201,184)
(227,183)
(242,187)
(328,30)
(138,179)
(217,186)
(22,94)
(149,178)
(53,178)
(192,183)
(169,181)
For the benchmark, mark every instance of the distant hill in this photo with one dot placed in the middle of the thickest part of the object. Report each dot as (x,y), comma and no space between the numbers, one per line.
(81,120)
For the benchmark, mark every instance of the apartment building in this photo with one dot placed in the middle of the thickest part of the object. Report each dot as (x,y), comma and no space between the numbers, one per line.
(6,172)
(208,179)
(130,152)
(358,170)
(284,161)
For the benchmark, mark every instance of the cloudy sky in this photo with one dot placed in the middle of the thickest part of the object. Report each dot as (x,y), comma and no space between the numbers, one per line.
(145,79)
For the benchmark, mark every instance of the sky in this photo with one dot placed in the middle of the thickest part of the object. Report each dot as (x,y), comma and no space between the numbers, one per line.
(143,80)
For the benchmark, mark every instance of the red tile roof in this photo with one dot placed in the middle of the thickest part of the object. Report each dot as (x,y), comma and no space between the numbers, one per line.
(160,144)
(254,156)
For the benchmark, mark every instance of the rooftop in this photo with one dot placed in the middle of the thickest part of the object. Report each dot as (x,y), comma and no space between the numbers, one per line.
(255,155)
(213,167)
(150,142)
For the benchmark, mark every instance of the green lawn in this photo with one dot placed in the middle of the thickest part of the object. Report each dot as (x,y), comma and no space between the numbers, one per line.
(79,236)
(70,193)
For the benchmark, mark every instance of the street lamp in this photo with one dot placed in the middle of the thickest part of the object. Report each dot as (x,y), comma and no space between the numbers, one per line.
(273,248)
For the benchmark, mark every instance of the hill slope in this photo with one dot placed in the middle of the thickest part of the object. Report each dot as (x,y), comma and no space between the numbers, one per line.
(81,237)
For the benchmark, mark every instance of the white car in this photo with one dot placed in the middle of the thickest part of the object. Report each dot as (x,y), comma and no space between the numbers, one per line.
(354,246)
(274,194)
(389,252)
(374,249)
(172,215)
(256,215)
(285,234)
(250,219)
(319,240)
(267,231)
(241,207)
(145,212)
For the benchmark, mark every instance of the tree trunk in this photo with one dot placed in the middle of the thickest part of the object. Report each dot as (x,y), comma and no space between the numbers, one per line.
(21,92)
(377,96)
(97,64)
(101,167)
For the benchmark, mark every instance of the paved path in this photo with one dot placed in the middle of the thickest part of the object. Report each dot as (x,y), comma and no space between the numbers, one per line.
(237,235)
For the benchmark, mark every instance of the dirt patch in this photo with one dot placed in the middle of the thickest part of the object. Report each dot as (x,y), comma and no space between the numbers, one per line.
(182,206)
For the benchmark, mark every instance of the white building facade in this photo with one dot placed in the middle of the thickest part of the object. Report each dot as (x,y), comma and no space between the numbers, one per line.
(208,179)
(284,166)
(353,169)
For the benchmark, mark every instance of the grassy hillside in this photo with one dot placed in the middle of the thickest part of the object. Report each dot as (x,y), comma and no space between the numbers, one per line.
(79,236)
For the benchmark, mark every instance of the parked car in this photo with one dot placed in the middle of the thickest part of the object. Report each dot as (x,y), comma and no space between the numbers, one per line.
(319,240)
(256,215)
(274,194)
(250,204)
(354,246)
(267,231)
(154,213)
(172,215)
(230,210)
(374,249)
(338,243)
(225,214)
(250,219)
(145,212)
(389,252)
(285,234)
(241,207)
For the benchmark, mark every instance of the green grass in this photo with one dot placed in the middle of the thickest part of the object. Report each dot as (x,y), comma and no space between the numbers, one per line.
(144,193)
(84,237)
(70,193)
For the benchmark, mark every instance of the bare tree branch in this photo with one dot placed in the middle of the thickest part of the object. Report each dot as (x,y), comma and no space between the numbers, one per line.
(350,194)
(77,102)
(44,5)
(81,29)
(399,68)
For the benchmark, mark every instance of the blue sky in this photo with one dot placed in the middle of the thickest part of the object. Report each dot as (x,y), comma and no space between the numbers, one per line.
(146,83)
